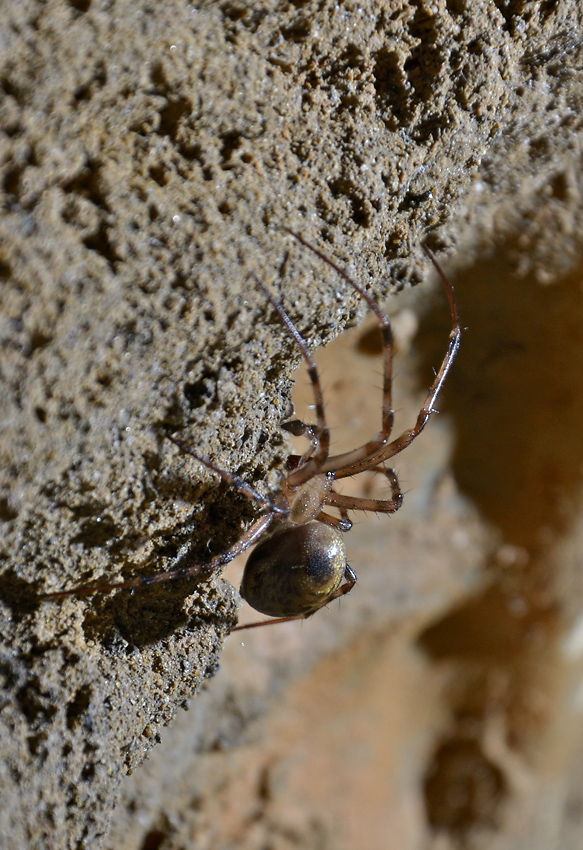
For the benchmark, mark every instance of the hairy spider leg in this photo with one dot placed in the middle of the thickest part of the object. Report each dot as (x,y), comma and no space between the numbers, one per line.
(342,523)
(251,536)
(257,529)
(320,437)
(358,503)
(387,414)
(379,449)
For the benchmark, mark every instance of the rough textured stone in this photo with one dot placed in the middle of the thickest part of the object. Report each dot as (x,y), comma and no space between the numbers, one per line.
(149,155)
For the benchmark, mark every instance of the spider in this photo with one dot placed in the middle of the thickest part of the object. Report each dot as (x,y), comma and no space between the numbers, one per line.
(299,563)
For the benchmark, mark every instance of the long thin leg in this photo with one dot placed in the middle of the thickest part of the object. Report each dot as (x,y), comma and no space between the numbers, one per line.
(251,536)
(321,437)
(358,503)
(232,480)
(254,532)
(349,582)
(342,523)
(387,414)
(379,450)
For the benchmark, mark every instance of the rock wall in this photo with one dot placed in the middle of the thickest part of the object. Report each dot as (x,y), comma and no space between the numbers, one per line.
(151,154)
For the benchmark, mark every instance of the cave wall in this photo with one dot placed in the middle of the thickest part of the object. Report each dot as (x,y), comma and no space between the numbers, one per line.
(150,156)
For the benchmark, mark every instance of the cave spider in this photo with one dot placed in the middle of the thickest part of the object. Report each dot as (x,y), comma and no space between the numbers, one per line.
(299,563)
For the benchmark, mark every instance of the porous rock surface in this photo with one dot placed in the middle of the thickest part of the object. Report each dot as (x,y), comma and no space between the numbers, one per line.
(150,155)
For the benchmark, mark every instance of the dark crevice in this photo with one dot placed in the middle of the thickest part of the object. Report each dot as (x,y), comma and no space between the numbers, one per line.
(80,6)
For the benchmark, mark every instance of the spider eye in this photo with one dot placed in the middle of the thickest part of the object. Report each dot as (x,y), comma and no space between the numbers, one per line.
(295,570)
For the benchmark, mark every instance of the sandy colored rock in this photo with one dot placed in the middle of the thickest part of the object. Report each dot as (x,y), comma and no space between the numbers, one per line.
(150,154)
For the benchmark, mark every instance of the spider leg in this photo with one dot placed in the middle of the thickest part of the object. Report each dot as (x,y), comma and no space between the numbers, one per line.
(342,523)
(358,503)
(319,435)
(232,480)
(251,536)
(387,414)
(349,582)
(379,449)
(271,510)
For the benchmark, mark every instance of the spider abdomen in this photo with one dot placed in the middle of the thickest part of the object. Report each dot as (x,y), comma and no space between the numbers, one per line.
(295,570)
